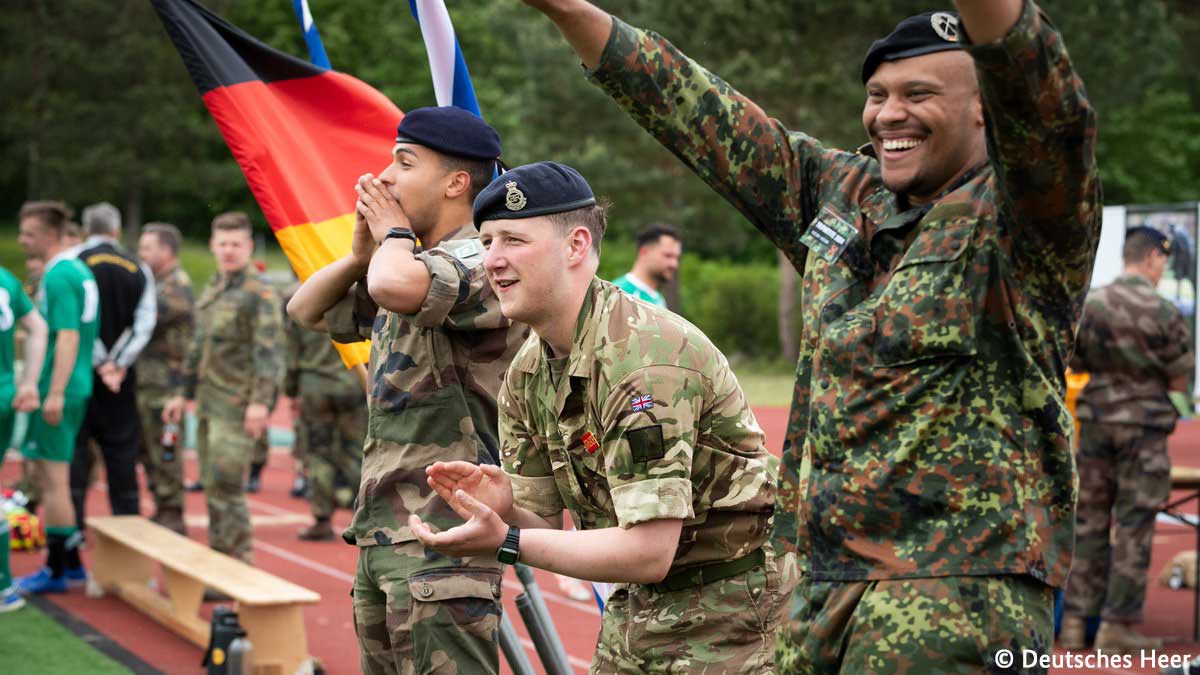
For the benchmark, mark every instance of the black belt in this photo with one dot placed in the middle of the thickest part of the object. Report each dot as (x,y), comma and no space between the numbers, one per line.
(706,574)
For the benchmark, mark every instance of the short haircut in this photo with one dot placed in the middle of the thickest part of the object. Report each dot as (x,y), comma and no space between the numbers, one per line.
(232,220)
(72,229)
(102,218)
(594,217)
(53,214)
(651,233)
(1140,242)
(481,171)
(167,234)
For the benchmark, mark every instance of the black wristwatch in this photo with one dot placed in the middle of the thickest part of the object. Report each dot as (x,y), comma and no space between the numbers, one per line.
(510,551)
(401,233)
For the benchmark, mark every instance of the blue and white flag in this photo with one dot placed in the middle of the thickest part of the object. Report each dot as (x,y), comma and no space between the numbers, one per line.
(316,50)
(451,82)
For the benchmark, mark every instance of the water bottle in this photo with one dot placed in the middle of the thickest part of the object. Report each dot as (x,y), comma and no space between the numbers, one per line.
(241,655)
(170,436)
(1176,580)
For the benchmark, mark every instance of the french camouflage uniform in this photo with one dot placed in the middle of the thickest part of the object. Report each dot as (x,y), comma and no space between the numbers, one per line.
(333,418)
(433,379)
(160,374)
(644,420)
(929,446)
(235,360)
(1133,343)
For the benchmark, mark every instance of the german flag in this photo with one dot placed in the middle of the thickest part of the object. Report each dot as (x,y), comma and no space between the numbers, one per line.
(301,134)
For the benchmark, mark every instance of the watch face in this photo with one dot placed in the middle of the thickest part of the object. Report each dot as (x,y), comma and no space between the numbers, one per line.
(507,556)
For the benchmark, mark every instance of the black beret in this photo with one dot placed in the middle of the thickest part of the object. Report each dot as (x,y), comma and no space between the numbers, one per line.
(450,131)
(921,34)
(1155,236)
(533,190)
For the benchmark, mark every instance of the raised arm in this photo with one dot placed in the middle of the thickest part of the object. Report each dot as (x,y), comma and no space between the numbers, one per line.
(328,286)
(584,25)
(989,20)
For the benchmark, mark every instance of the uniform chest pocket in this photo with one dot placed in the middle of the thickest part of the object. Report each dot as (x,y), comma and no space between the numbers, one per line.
(225,320)
(584,471)
(928,309)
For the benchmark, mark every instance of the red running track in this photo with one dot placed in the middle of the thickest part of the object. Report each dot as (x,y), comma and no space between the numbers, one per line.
(328,569)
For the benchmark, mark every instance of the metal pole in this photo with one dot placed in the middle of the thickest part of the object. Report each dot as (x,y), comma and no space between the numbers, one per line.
(514,653)
(538,633)
(554,643)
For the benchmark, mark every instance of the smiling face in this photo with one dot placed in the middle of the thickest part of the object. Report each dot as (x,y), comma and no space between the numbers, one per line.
(925,120)
(526,263)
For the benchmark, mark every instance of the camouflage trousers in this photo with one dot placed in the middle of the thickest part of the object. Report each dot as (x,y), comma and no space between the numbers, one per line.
(416,612)
(727,626)
(923,626)
(1124,479)
(225,450)
(330,431)
(164,470)
(262,449)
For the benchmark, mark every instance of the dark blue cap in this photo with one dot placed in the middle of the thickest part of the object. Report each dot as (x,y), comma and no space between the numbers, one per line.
(917,35)
(533,190)
(1157,237)
(450,131)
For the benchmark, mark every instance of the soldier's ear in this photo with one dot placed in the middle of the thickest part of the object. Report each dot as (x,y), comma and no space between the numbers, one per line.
(579,243)
(457,184)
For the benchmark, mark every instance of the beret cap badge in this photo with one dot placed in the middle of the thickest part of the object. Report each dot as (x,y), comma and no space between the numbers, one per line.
(945,25)
(514,199)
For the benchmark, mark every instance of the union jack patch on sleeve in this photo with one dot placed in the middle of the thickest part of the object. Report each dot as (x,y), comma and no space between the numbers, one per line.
(640,403)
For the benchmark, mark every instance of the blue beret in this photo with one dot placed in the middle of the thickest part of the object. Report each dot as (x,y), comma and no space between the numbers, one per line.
(450,131)
(921,34)
(533,190)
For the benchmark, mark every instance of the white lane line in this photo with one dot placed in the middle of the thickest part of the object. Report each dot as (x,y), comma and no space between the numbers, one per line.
(304,562)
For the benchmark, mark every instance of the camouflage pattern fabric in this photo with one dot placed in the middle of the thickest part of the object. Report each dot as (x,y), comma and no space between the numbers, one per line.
(261,451)
(224,450)
(433,381)
(643,631)
(235,359)
(647,422)
(160,373)
(236,356)
(928,434)
(1132,342)
(932,626)
(411,617)
(1124,480)
(433,378)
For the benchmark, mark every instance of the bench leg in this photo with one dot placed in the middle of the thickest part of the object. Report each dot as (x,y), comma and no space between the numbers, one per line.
(113,564)
(277,635)
(185,592)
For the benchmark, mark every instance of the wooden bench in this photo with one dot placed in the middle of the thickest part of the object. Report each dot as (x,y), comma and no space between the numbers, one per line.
(127,551)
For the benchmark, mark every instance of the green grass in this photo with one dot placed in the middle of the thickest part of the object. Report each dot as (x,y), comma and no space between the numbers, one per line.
(767,385)
(32,643)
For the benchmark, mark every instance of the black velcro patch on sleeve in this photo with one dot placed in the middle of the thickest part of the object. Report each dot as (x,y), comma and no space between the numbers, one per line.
(646,444)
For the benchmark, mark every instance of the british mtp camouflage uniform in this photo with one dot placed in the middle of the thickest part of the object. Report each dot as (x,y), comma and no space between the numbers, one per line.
(433,380)
(644,420)
(333,416)
(928,435)
(1132,342)
(235,360)
(160,374)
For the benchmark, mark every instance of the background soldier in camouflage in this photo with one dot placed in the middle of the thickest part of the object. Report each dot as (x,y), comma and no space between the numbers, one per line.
(1136,346)
(439,349)
(944,268)
(233,371)
(160,369)
(626,415)
(330,422)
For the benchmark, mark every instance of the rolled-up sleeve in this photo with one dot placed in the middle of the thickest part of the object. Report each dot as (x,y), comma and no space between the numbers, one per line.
(352,318)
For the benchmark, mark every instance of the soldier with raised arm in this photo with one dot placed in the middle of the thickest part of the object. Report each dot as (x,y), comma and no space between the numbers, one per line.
(944,264)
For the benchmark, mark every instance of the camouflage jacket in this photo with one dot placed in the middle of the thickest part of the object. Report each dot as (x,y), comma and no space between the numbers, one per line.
(236,357)
(1132,342)
(433,380)
(928,434)
(314,367)
(644,421)
(160,366)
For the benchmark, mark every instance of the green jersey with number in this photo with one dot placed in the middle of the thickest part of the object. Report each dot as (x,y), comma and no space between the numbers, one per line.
(69,300)
(14,304)
(639,290)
